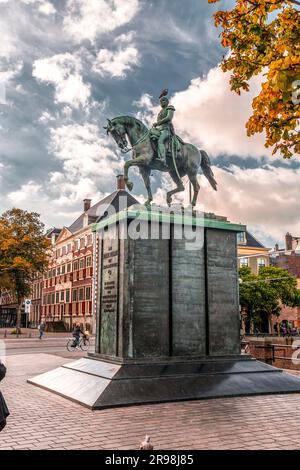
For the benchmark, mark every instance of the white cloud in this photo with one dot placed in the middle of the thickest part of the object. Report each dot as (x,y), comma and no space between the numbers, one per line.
(46,117)
(266,199)
(64,71)
(89,168)
(125,38)
(214,117)
(84,151)
(210,115)
(47,8)
(30,190)
(87,19)
(6,76)
(116,63)
(44,6)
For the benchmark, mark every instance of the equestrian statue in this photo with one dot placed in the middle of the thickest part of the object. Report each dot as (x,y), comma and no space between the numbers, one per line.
(160,149)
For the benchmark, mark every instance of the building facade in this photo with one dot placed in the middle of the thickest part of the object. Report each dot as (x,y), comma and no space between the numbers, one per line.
(288,258)
(251,252)
(67,294)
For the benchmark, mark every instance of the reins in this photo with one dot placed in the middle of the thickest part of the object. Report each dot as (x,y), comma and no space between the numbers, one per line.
(137,142)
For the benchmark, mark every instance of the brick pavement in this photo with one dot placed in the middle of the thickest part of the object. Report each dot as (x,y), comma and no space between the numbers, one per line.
(42,420)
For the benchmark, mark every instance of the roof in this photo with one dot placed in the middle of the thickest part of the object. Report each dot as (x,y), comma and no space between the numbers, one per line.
(252,241)
(119,200)
(52,230)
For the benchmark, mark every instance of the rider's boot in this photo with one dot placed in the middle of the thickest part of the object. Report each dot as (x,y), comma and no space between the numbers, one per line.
(161,154)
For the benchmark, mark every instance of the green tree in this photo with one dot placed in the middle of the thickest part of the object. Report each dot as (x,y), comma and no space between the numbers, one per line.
(263,37)
(265,293)
(24,251)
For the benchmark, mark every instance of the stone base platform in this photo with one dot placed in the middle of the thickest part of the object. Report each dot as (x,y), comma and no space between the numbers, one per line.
(98,384)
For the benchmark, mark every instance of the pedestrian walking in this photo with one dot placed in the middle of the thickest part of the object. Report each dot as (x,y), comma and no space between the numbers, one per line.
(41,329)
(4,413)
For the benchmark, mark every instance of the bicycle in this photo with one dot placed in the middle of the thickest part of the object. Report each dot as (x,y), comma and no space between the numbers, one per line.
(84,344)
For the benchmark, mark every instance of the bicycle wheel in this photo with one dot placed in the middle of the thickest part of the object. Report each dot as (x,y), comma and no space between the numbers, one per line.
(71,346)
(85,344)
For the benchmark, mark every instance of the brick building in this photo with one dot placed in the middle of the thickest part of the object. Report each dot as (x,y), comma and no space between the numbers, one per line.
(67,286)
(288,258)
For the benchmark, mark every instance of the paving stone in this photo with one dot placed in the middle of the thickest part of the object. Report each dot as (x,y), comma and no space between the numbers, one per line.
(41,420)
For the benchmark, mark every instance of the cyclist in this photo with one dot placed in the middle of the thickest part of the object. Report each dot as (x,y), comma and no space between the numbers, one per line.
(76,333)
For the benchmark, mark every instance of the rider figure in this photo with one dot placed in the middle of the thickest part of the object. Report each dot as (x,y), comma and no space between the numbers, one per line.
(165,126)
(76,333)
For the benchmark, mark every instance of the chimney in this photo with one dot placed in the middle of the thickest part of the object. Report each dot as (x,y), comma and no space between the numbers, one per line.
(288,242)
(86,204)
(120,182)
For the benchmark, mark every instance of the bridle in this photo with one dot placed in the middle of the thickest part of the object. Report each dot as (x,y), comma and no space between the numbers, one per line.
(133,145)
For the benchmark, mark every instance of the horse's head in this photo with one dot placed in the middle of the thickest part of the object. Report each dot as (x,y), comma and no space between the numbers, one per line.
(118,131)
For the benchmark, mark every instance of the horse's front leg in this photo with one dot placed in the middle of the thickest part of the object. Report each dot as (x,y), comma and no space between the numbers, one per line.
(145,172)
(134,162)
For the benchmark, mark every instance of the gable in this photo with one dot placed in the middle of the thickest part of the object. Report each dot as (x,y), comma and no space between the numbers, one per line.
(64,234)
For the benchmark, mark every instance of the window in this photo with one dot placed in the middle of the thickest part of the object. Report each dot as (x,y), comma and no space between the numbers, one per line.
(57,297)
(63,269)
(69,247)
(45,300)
(261,263)
(241,237)
(53,272)
(68,295)
(48,299)
(81,263)
(68,267)
(58,271)
(88,293)
(49,273)
(89,261)
(74,295)
(89,240)
(82,242)
(81,294)
(58,253)
(53,298)
(75,265)
(244,262)
(62,295)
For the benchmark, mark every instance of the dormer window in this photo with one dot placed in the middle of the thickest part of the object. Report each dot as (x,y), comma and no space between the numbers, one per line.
(241,237)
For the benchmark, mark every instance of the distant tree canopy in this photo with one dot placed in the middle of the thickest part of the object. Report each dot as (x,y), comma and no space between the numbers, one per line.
(23,252)
(264,38)
(265,293)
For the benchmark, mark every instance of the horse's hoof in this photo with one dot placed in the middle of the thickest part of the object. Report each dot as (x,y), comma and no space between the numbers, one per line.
(129,185)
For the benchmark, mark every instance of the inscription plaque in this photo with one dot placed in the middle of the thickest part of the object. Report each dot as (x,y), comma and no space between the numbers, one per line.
(109,297)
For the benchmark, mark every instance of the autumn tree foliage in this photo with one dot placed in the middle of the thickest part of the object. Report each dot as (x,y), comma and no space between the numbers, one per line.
(24,252)
(264,38)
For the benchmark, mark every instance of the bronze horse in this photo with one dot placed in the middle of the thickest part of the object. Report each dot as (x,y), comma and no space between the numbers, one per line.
(188,158)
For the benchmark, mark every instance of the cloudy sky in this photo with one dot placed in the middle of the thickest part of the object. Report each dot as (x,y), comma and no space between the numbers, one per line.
(67,65)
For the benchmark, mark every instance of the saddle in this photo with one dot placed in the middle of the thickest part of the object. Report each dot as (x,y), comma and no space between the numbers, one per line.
(154,136)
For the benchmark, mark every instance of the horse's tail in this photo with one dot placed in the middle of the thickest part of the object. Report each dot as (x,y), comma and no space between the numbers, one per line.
(206,168)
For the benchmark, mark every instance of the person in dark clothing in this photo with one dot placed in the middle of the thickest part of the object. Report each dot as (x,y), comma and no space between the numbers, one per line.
(76,333)
(41,329)
(4,413)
